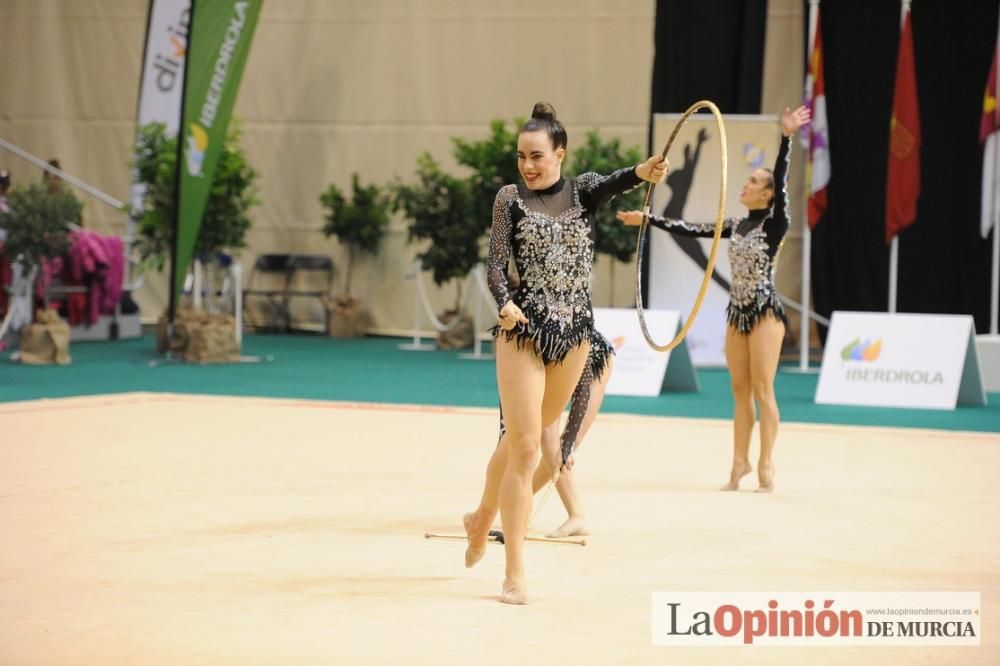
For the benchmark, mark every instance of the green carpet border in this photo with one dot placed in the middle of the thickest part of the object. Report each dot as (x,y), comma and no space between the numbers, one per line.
(374,369)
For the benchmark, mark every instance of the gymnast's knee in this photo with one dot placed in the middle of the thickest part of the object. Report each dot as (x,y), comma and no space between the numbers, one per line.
(523,452)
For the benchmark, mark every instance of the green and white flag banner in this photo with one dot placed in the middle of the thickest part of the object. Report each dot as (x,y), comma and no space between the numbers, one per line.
(218,43)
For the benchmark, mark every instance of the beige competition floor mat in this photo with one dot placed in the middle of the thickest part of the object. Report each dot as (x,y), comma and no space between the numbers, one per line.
(163,529)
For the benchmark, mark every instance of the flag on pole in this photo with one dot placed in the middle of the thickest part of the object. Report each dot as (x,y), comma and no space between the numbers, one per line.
(219,40)
(817,134)
(903,187)
(988,131)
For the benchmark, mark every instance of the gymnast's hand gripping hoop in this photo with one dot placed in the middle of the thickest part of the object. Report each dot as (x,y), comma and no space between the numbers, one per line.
(689,320)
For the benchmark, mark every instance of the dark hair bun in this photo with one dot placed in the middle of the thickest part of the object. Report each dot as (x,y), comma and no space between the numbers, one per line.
(543,119)
(543,111)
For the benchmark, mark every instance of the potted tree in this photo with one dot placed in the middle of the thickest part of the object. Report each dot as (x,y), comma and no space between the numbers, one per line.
(359,223)
(37,227)
(439,207)
(611,238)
(493,162)
(225,221)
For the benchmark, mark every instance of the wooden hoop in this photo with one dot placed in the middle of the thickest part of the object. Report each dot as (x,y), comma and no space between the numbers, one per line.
(689,321)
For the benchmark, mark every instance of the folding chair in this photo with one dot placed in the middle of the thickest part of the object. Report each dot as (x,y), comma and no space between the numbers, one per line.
(264,304)
(307,298)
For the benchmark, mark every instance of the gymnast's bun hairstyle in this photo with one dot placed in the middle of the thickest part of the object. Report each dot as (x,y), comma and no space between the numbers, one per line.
(543,111)
(543,117)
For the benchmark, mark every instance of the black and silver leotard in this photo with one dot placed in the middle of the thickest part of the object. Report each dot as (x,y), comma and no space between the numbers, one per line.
(598,360)
(550,233)
(754,242)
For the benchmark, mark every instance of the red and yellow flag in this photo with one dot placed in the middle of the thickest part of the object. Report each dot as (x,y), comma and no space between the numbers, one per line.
(903,187)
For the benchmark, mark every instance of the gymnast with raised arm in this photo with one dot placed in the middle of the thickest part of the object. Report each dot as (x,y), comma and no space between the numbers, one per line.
(756,319)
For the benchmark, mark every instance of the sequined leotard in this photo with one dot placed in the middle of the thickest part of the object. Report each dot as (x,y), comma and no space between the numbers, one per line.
(753,249)
(551,235)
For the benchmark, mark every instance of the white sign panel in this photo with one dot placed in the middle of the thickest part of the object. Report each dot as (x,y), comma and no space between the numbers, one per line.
(900,360)
(640,369)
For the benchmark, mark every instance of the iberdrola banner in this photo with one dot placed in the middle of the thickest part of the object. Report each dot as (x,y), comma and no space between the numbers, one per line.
(218,42)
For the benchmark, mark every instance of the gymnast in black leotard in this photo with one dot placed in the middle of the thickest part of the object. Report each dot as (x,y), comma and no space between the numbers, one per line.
(756,317)
(542,342)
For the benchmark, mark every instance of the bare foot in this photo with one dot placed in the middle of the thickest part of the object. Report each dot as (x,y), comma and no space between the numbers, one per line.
(765,474)
(514,592)
(738,472)
(572,527)
(477,539)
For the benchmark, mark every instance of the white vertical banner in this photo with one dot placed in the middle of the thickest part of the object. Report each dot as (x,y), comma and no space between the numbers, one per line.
(163,69)
(676,263)
(163,63)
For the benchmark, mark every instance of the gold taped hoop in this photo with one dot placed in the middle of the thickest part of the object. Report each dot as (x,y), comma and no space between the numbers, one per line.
(689,320)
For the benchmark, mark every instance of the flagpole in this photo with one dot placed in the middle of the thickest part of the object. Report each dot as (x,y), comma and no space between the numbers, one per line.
(806,229)
(894,247)
(175,242)
(806,287)
(995,286)
(995,212)
(893,269)
(137,192)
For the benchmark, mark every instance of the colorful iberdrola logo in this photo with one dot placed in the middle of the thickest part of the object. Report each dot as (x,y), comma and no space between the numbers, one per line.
(862,351)
(197,142)
(858,366)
